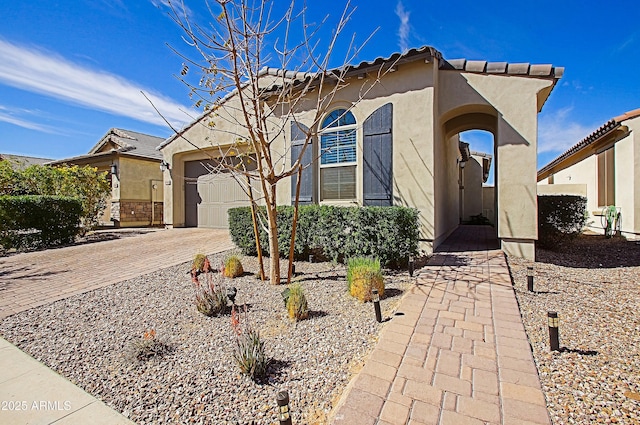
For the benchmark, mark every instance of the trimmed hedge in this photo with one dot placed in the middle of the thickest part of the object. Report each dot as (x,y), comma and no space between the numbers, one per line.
(32,221)
(560,217)
(336,233)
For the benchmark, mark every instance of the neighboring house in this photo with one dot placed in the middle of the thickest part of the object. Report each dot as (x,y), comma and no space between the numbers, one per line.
(604,167)
(402,146)
(23,161)
(133,164)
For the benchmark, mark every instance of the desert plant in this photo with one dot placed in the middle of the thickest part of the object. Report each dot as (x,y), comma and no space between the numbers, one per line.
(364,274)
(147,347)
(197,265)
(296,302)
(211,296)
(249,351)
(233,266)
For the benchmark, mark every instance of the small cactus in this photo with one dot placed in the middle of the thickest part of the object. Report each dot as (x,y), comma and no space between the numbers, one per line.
(364,274)
(296,303)
(232,266)
(198,263)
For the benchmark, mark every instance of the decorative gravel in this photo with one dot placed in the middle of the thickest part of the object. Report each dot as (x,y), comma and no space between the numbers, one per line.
(88,339)
(593,284)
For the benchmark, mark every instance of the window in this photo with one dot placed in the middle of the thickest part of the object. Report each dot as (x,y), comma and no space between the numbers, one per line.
(606,178)
(338,156)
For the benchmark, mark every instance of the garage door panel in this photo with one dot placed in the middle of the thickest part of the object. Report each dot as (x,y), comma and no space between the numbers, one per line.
(219,193)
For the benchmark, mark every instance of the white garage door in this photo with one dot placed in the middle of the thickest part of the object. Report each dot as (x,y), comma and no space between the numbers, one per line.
(217,194)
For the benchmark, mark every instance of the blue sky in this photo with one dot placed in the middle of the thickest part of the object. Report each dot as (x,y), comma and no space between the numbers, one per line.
(72,69)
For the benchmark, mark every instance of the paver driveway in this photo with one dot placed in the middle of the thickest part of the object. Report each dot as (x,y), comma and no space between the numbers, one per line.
(37,278)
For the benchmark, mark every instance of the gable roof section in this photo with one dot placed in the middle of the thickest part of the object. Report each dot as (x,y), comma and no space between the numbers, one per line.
(426,53)
(603,131)
(131,142)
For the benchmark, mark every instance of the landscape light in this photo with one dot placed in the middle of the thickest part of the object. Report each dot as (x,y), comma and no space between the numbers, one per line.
(284,416)
(530,278)
(554,334)
(376,304)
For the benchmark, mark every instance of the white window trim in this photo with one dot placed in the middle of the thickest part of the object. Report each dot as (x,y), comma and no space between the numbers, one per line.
(339,164)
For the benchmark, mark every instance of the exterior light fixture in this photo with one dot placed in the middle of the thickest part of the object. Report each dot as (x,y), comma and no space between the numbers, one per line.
(284,415)
(231,294)
(554,335)
(164,166)
(411,266)
(530,278)
(114,169)
(462,164)
(376,304)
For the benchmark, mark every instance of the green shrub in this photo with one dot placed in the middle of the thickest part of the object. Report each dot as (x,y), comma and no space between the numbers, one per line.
(363,275)
(30,222)
(337,233)
(560,217)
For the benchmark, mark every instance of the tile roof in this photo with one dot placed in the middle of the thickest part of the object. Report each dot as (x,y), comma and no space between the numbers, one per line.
(131,142)
(427,53)
(24,160)
(603,130)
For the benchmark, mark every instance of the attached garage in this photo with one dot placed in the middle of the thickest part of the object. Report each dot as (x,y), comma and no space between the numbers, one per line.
(208,197)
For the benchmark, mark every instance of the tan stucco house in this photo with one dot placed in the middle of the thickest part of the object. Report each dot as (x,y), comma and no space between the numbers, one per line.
(133,164)
(604,167)
(402,148)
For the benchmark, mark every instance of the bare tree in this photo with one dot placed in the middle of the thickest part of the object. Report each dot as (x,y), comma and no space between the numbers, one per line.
(254,82)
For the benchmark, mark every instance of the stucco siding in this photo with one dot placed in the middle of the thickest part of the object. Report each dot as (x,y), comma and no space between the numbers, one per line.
(624,183)
(136,178)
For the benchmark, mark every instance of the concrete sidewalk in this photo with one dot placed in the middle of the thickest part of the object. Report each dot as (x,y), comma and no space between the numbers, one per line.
(30,392)
(457,354)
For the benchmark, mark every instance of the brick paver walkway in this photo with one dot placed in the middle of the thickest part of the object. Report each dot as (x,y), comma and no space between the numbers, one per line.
(37,278)
(458,354)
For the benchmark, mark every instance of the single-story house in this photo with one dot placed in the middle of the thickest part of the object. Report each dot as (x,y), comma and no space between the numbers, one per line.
(604,167)
(401,145)
(133,164)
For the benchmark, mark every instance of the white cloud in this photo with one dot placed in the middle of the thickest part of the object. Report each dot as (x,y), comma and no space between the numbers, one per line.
(176,5)
(403,30)
(557,132)
(9,117)
(46,73)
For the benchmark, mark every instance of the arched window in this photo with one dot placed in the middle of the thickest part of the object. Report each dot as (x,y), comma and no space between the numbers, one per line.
(338,156)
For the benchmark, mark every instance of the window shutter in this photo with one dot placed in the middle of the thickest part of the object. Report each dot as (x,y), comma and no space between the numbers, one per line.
(378,157)
(298,135)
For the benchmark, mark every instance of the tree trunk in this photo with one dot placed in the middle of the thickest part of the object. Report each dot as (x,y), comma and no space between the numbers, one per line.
(274,254)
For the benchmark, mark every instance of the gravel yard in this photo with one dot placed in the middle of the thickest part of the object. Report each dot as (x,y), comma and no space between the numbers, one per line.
(87,339)
(594,285)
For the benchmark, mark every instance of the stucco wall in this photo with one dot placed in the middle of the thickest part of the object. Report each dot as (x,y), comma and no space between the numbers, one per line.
(410,91)
(135,179)
(507,106)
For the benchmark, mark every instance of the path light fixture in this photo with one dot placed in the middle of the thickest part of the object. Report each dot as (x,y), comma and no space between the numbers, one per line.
(554,334)
(311,258)
(530,278)
(231,294)
(284,415)
(376,304)
(411,266)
